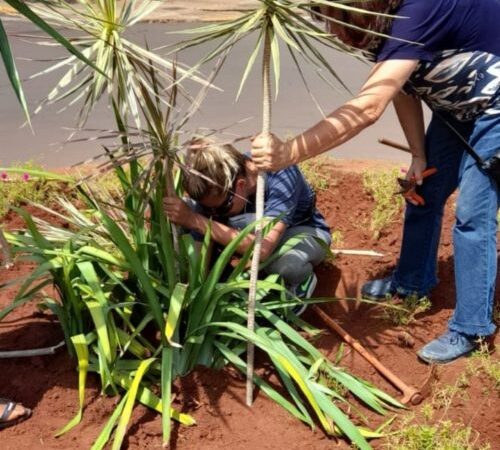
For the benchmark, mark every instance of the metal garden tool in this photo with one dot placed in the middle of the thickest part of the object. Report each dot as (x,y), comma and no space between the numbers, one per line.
(409,187)
(411,395)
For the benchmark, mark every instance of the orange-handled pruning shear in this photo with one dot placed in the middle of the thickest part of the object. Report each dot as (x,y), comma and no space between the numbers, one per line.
(408,187)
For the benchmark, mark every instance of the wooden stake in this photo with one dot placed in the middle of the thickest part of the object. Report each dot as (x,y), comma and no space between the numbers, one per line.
(259,213)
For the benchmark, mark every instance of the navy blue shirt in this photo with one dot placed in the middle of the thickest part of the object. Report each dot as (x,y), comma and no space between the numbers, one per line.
(459,54)
(468,25)
(289,197)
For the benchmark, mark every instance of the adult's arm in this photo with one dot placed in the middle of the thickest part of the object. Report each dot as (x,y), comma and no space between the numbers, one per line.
(411,117)
(383,84)
(181,214)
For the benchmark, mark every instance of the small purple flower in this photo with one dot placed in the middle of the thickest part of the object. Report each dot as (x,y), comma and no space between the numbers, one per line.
(26,176)
(4,176)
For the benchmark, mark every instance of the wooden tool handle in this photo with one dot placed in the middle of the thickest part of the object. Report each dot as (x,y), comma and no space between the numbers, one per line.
(410,394)
(394,144)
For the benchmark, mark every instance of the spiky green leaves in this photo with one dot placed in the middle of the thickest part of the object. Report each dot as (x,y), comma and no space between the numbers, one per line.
(123,66)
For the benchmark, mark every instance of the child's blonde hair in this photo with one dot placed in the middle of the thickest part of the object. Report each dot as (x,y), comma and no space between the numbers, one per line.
(211,168)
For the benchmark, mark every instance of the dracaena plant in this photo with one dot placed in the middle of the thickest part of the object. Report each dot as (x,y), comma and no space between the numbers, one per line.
(8,58)
(108,64)
(275,23)
(13,74)
(138,320)
(124,66)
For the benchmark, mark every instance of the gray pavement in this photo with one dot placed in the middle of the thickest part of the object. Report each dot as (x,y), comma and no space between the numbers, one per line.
(189,10)
(293,110)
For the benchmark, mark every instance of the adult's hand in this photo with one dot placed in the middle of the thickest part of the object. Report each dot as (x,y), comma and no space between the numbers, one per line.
(269,153)
(178,212)
(417,166)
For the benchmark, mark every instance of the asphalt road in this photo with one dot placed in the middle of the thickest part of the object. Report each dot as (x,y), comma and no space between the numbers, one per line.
(293,110)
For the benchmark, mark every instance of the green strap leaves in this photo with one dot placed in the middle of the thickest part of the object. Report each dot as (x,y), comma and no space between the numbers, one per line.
(82,352)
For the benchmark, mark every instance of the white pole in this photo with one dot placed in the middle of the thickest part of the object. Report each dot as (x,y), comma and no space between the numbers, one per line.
(259,213)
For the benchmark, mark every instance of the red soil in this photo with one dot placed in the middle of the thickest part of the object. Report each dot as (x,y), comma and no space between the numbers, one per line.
(217,399)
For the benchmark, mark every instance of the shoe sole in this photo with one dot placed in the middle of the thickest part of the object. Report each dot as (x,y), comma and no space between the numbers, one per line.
(312,287)
(10,423)
(444,362)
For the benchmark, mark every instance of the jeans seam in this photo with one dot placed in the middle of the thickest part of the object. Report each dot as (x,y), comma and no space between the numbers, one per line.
(491,231)
(483,324)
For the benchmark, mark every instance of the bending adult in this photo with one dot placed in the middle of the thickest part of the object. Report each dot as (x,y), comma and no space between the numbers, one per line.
(455,69)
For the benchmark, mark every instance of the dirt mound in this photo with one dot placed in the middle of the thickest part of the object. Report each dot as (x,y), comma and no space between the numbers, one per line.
(216,399)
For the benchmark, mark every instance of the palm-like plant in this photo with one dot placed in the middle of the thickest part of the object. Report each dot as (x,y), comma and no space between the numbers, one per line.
(276,23)
(124,66)
(12,72)
(114,269)
(6,53)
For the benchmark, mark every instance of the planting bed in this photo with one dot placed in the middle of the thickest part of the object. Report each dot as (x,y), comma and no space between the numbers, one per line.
(217,399)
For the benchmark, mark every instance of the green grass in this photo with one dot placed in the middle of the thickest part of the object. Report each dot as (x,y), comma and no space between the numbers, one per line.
(406,312)
(18,189)
(443,397)
(315,172)
(443,435)
(432,428)
(337,238)
(437,433)
(382,186)
(484,362)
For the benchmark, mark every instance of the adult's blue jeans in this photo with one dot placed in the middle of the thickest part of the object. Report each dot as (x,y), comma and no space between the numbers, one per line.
(297,263)
(475,231)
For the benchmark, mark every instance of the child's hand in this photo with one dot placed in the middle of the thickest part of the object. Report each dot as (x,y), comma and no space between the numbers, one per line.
(177,211)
